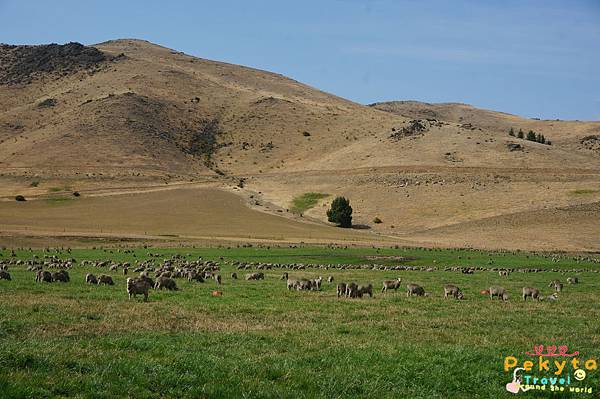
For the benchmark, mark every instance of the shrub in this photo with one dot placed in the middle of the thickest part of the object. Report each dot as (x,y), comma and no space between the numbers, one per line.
(511,132)
(521,134)
(20,198)
(340,212)
(306,134)
(34,183)
(377,220)
(76,194)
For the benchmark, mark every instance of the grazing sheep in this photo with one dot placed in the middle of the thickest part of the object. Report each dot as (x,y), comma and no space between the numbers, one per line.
(218,278)
(125,270)
(415,289)
(365,289)
(4,275)
(558,286)
(193,276)
(572,280)
(165,282)
(284,276)
(304,284)
(341,289)
(351,290)
(453,290)
(105,280)
(534,293)
(62,276)
(553,297)
(138,285)
(234,276)
(91,279)
(505,273)
(255,276)
(43,276)
(291,283)
(330,279)
(316,283)
(391,284)
(500,292)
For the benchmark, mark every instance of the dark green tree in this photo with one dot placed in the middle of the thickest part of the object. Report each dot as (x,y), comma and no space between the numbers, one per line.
(520,134)
(511,132)
(531,136)
(340,212)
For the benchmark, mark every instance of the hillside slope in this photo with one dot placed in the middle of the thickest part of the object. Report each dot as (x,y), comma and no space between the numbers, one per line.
(131,115)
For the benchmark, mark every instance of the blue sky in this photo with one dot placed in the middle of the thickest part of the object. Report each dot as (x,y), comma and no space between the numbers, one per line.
(531,58)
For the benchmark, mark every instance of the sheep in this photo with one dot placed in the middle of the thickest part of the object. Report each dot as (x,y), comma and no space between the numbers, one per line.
(43,276)
(304,284)
(572,280)
(91,279)
(284,276)
(165,282)
(291,283)
(391,284)
(62,276)
(125,270)
(138,285)
(255,276)
(365,289)
(341,289)
(453,290)
(415,289)
(4,275)
(192,275)
(534,293)
(218,278)
(105,279)
(558,286)
(234,276)
(505,273)
(316,283)
(500,292)
(553,297)
(351,290)
(330,279)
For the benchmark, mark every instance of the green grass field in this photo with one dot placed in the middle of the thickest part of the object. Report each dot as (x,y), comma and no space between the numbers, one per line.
(304,202)
(261,341)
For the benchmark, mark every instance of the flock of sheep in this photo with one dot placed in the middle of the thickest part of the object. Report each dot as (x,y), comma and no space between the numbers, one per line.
(178,266)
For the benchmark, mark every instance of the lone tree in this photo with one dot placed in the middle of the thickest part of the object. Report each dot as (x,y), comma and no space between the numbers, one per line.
(340,212)
(520,134)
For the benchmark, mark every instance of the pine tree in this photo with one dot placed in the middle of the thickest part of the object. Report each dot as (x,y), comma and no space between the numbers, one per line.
(531,136)
(512,132)
(521,135)
(340,212)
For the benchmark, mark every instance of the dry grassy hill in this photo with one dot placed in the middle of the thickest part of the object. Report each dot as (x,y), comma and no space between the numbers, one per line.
(131,115)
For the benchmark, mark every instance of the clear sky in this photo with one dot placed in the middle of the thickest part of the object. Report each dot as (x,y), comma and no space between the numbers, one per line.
(536,58)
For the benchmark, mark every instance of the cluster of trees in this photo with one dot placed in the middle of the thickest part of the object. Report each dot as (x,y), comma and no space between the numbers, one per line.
(531,136)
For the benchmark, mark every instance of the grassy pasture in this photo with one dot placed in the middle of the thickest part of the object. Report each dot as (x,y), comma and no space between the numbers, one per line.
(261,341)
(304,202)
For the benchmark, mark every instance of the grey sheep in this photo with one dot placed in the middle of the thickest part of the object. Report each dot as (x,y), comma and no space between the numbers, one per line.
(415,289)
(91,279)
(165,282)
(534,293)
(105,280)
(341,289)
(4,275)
(391,285)
(499,292)
(137,286)
(453,290)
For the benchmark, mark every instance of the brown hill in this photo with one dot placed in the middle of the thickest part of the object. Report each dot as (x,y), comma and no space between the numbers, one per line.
(131,115)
